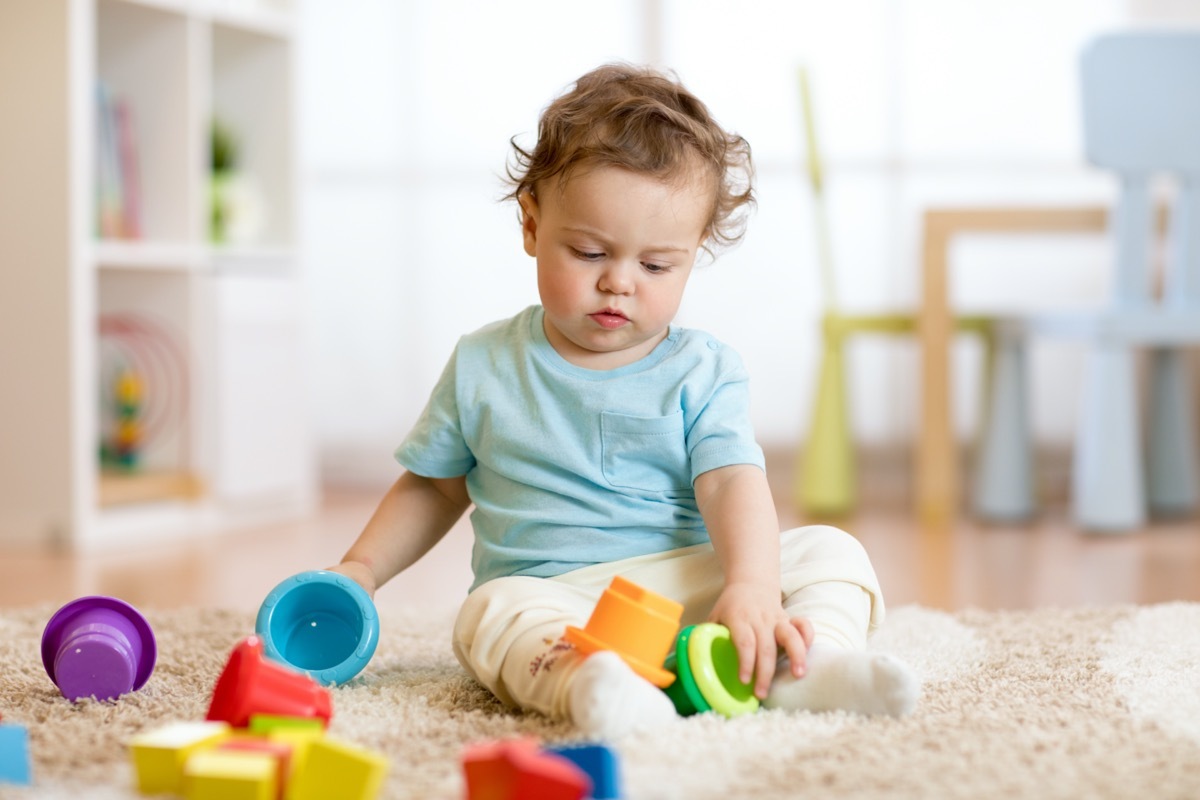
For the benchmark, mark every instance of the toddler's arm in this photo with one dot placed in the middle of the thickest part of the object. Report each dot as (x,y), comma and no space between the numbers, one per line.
(739,512)
(411,518)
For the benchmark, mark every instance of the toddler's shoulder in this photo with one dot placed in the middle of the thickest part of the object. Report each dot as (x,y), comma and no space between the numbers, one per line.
(704,360)
(703,346)
(501,333)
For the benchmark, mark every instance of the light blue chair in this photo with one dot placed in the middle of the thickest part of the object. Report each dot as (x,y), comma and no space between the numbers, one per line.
(1141,119)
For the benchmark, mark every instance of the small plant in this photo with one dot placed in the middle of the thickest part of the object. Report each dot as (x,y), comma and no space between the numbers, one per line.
(236,213)
(224,148)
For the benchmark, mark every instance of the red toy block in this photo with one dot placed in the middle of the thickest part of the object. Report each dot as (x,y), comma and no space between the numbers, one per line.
(517,769)
(250,684)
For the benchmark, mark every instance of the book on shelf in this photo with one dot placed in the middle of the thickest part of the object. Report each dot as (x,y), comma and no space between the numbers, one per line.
(118,179)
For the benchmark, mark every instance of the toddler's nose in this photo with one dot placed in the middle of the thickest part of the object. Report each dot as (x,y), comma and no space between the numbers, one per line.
(617,278)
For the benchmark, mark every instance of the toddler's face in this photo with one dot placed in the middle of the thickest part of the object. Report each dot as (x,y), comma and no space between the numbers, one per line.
(614,251)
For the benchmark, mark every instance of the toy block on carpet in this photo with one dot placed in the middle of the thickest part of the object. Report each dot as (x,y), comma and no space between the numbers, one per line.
(231,775)
(337,769)
(159,756)
(267,724)
(601,765)
(299,740)
(281,752)
(14,755)
(518,770)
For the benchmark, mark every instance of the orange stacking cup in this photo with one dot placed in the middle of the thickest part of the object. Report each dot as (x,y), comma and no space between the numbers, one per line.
(636,624)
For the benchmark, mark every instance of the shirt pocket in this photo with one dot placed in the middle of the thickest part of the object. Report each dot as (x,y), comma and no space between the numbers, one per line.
(644,453)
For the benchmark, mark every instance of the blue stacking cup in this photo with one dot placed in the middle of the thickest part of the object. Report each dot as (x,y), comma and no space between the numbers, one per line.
(320,623)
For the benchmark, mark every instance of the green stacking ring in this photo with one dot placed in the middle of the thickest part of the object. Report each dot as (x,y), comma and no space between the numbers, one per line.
(683,691)
(713,665)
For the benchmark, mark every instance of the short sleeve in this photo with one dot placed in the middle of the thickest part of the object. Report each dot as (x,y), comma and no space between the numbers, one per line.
(435,447)
(722,433)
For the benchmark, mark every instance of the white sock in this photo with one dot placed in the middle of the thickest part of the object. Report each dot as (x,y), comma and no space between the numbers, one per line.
(607,699)
(849,680)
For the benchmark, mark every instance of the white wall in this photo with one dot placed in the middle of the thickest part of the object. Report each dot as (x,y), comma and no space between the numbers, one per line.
(407,108)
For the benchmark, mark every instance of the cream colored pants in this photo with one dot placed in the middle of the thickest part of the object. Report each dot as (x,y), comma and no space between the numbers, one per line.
(509,632)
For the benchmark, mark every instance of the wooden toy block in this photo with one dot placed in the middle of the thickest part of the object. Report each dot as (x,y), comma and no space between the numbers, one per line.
(230,775)
(299,740)
(159,756)
(601,765)
(337,769)
(268,723)
(280,751)
(516,770)
(14,755)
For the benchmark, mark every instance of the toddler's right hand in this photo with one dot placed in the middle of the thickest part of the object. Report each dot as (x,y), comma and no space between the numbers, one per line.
(358,572)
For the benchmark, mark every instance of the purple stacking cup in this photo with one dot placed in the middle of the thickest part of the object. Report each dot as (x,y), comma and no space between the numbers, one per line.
(98,647)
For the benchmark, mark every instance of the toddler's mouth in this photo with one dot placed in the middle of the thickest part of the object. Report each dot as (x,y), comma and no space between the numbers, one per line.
(609,319)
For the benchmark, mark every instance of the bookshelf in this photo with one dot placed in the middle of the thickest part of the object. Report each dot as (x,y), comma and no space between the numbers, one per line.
(109,267)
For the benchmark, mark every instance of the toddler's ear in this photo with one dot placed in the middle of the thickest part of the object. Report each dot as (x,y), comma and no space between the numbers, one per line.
(529,221)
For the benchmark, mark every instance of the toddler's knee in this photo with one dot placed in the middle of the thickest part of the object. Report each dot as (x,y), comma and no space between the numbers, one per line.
(820,543)
(521,602)
(476,603)
(484,595)
(483,605)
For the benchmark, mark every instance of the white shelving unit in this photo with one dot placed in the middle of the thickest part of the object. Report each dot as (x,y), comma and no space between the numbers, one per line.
(235,444)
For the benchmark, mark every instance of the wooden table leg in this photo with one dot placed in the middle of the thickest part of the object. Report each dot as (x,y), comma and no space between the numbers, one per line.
(936,473)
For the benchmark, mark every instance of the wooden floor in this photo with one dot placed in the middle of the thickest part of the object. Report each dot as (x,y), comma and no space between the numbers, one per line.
(1047,563)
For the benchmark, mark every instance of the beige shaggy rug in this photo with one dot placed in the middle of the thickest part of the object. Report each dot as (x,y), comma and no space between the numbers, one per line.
(1081,703)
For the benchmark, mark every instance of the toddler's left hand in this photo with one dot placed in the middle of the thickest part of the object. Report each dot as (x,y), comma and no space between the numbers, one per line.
(760,627)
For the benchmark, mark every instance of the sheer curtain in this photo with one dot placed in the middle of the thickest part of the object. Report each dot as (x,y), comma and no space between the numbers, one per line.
(407,109)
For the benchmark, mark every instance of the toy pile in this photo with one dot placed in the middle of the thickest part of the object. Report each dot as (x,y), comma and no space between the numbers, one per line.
(264,738)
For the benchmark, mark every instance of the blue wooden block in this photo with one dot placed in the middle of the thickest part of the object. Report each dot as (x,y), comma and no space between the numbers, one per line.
(601,765)
(14,755)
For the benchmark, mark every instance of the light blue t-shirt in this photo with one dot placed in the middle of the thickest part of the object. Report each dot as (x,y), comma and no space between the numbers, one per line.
(569,466)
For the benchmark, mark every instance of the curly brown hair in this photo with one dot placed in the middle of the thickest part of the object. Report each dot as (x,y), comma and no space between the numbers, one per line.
(642,120)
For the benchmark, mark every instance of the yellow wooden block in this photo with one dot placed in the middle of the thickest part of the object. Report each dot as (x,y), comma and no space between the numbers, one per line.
(299,739)
(159,755)
(337,769)
(230,775)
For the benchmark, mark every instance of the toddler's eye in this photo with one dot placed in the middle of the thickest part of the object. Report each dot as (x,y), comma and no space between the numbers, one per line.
(655,269)
(586,256)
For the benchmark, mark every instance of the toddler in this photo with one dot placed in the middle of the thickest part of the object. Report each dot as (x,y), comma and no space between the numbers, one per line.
(595,438)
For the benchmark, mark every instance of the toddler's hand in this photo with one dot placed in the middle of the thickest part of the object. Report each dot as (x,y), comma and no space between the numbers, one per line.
(759,627)
(358,572)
